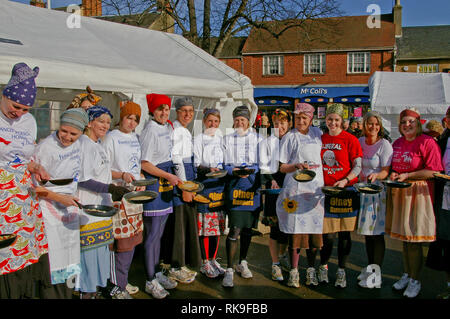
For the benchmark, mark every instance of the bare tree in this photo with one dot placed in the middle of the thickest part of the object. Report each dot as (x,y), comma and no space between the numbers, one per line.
(199,20)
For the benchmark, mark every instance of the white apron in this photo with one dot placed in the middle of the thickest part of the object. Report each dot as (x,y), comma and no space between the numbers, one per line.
(300,206)
(62,227)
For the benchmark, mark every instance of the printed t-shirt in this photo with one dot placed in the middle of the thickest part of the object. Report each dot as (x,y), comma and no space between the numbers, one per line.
(375,156)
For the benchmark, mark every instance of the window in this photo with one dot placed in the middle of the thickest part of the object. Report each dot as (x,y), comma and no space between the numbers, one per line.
(314,63)
(427,68)
(358,62)
(273,65)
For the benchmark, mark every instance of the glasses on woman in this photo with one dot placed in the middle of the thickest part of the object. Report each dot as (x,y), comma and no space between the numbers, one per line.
(403,122)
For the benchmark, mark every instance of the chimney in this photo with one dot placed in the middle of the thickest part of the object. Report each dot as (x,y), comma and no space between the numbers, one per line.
(91,8)
(397,15)
(37,3)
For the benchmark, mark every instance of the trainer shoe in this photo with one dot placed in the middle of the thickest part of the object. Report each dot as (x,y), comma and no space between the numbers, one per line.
(190,272)
(155,289)
(166,282)
(402,283)
(276,273)
(445,294)
(208,270)
(243,270)
(294,278)
(228,278)
(311,277)
(323,273)
(413,288)
(118,293)
(131,289)
(340,278)
(284,262)
(180,276)
(217,266)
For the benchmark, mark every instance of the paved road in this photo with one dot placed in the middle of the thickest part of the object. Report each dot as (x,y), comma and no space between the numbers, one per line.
(262,287)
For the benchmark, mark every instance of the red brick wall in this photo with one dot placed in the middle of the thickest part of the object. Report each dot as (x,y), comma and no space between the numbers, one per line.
(336,70)
(234,63)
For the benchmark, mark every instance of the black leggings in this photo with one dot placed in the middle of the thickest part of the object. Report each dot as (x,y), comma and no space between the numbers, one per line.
(232,243)
(344,247)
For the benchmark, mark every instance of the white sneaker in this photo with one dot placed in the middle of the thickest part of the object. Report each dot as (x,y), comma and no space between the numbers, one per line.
(189,271)
(413,288)
(208,270)
(131,289)
(340,278)
(323,273)
(402,283)
(117,293)
(363,274)
(311,277)
(294,278)
(243,270)
(181,276)
(284,262)
(217,266)
(228,278)
(155,289)
(276,273)
(166,282)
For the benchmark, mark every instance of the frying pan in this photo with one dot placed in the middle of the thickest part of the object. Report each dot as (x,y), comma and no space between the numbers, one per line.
(98,210)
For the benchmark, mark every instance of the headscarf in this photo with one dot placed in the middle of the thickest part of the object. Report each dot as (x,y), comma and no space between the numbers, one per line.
(409,112)
(130,108)
(183,101)
(280,112)
(21,87)
(207,111)
(90,96)
(156,100)
(335,108)
(306,108)
(97,111)
(77,118)
(241,110)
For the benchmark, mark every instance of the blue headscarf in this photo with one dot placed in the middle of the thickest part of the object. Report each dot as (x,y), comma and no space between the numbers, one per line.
(97,111)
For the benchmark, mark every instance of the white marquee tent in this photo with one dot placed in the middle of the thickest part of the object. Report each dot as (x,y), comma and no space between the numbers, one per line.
(115,58)
(392,92)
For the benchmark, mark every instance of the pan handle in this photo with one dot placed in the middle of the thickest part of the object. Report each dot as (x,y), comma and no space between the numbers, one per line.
(78,204)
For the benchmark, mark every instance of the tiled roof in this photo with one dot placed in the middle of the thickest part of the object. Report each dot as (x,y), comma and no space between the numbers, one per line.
(232,48)
(424,42)
(325,34)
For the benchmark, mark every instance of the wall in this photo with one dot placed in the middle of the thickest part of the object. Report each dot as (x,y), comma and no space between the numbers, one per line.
(412,64)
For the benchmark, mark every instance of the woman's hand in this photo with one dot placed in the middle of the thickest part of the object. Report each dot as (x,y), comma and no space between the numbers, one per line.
(342,183)
(68,200)
(393,176)
(127,177)
(372,177)
(188,197)
(275,184)
(140,188)
(174,180)
(402,177)
(38,171)
(301,165)
(214,169)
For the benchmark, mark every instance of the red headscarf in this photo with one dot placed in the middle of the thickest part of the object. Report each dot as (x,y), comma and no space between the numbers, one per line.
(156,100)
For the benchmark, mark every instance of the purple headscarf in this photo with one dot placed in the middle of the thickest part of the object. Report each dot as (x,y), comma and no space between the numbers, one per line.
(21,87)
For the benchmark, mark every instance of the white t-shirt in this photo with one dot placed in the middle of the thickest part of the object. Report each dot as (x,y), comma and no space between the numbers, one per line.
(156,142)
(60,162)
(239,150)
(270,155)
(17,138)
(124,152)
(95,165)
(208,150)
(294,144)
(182,149)
(375,156)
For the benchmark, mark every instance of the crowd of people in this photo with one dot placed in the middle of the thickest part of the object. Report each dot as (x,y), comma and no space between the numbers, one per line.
(60,249)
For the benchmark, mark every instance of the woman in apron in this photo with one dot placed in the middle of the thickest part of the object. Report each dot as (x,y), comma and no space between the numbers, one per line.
(208,157)
(24,263)
(409,214)
(124,152)
(341,159)
(376,162)
(60,155)
(183,230)
(272,178)
(300,205)
(243,199)
(95,188)
(156,162)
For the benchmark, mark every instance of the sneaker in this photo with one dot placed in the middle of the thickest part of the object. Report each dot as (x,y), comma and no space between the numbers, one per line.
(323,273)
(311,277)
(413,288)
(340,278)
(228,278)
(363,275)
(217,266)
(242,268)
(155,289)
(276,273)
(402,283)
(121,294)
(208,270)
(284,262)
(180,276)
(166,282)
(294,278)
(131,289)
(444,295)
(190,272)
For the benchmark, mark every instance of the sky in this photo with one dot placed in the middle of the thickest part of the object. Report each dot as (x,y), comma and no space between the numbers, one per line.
(414,13)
